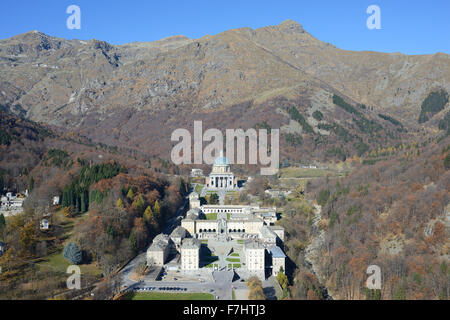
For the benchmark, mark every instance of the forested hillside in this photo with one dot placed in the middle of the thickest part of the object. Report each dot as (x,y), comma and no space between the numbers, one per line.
(111,206)
(394,214)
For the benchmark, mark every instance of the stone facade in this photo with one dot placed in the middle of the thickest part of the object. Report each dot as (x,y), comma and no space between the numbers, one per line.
(255,258)
(278,260)
(194,200)
(190,254)
(159,250)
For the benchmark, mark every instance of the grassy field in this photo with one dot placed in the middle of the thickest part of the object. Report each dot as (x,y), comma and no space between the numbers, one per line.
(233,259)
(212,265)
(57,262)
(293,172)
(234,254)
(211,216)
(199,188)
(167,296)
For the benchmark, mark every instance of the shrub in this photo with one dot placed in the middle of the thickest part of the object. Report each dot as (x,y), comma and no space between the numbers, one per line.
(317,115)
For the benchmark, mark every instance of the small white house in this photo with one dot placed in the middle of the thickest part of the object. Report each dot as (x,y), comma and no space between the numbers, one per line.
(55,200)
(196,173)
(45,225)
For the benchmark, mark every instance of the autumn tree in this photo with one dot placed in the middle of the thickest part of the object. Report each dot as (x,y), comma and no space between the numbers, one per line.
(256,289)
(282,279)
(157,211)
(119,203)
(130,194)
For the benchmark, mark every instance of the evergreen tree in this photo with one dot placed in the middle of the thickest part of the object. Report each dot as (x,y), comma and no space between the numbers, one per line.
(31,184)
(213,199)
(72,253)
(110,231)
(2,221)
(133,241)
(447,161)
(2,184)
(84,201)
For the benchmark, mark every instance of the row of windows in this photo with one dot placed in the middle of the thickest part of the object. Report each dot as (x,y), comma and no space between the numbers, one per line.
(224,210)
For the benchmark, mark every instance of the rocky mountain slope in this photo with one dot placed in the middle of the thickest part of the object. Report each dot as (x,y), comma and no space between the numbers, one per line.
(134,94)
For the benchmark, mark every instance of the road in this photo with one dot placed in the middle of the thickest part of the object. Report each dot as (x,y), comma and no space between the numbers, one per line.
(220,290)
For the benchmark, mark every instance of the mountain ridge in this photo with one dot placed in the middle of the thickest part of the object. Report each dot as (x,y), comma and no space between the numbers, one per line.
(79,84)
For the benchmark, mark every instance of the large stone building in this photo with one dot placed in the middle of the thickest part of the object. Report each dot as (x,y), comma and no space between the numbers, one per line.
(232,221)
(159,250)
(190,254)
(223,224)
(255,258)
(221,176)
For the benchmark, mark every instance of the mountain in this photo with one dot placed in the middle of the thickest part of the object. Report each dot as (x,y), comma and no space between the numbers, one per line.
(136,94)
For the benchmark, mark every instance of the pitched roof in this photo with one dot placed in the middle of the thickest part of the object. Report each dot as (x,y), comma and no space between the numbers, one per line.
(252,244)
(191,243)
(178,232)
(277,252)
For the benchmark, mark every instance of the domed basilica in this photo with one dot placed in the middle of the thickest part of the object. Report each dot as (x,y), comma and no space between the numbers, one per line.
(221,176)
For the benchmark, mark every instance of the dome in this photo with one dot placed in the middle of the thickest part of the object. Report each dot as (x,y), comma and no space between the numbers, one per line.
(221,161)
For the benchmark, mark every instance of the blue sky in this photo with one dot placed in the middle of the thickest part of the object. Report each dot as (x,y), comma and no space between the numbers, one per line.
(411,27)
